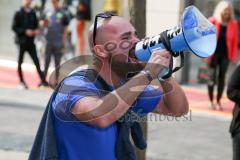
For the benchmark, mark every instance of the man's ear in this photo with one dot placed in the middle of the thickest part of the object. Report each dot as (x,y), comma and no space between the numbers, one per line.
(100,51)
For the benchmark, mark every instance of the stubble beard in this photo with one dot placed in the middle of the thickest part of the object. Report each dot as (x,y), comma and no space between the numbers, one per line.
(125,66)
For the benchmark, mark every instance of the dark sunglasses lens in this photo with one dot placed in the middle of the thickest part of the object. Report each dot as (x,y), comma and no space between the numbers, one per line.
(105,15)
(102,15)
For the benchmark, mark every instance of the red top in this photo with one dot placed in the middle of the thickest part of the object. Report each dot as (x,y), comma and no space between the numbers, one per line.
(231,38)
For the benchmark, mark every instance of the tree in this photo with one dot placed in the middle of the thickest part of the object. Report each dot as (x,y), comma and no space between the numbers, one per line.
(137,9)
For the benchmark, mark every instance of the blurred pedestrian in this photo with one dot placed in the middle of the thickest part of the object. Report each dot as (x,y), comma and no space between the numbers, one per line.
(56,22)
(233,93)
(25,25)
(226,50)
(112,6)
(83,15)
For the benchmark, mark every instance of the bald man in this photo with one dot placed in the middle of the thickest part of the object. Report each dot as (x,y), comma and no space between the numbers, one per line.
(87,105)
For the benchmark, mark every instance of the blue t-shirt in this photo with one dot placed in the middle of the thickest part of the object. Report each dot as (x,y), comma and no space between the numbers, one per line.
(80,141)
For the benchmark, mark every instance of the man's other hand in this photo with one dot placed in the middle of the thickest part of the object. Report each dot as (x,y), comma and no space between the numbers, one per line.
(159,59)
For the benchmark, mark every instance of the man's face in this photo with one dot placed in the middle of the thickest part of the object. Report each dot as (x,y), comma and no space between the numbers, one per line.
(120,47)
(55,2)
(27,3)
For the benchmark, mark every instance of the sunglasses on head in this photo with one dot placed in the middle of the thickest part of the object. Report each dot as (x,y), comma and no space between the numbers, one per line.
(101,15)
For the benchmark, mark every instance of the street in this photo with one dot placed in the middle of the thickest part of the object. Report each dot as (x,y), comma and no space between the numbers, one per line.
(20,114)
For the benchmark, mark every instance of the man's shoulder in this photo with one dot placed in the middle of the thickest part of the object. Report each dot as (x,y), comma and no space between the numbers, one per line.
(75,82)
(70,90)
(22,11)
(89,75)
(32,11)
(19,12)
(76,77)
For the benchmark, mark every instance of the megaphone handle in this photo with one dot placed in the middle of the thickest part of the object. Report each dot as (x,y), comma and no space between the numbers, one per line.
(169,73)
(171,70)
(181,64)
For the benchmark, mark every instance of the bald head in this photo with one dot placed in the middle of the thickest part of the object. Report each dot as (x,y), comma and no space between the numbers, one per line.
(109,29)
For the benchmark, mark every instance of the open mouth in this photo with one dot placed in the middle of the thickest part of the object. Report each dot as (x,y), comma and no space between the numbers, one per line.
(131,55)
(132,52)
(133,59)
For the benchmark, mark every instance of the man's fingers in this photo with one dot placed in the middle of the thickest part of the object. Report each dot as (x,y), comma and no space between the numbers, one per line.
(161,60)
(162,52)
(158,51)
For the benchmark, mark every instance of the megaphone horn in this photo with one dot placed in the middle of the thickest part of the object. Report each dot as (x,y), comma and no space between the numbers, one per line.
(195,34)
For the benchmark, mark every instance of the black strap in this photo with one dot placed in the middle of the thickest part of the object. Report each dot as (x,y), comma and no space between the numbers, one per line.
(166,42)
(167,45)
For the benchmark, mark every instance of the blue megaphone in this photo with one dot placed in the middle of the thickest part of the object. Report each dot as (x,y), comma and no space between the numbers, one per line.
(195,34)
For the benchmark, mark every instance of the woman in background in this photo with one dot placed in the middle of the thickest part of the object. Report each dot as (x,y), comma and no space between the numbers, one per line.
(226,50)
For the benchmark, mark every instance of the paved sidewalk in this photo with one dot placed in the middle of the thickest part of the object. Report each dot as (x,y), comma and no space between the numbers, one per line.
(20,115)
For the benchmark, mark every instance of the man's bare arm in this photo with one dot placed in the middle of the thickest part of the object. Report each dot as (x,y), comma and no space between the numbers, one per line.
(174,101)
(103,112)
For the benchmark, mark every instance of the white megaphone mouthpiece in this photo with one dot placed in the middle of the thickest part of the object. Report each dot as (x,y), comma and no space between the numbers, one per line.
(195,34)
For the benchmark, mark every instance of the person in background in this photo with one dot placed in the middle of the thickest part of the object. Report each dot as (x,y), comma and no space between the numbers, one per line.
(56,22)
(25,26)
(233,93)
(226,50)
(83,15)
(112,6)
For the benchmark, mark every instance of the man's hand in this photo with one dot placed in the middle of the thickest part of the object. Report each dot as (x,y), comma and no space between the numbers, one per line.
(36,32)
(29,32)
(43,23)
(158,60)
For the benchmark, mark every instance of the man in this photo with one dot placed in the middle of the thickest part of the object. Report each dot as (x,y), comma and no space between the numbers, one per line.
(85,116)
(25,25)
(56,21)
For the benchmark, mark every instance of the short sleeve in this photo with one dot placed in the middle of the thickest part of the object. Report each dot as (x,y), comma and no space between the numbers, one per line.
(147,101)
(72,89)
